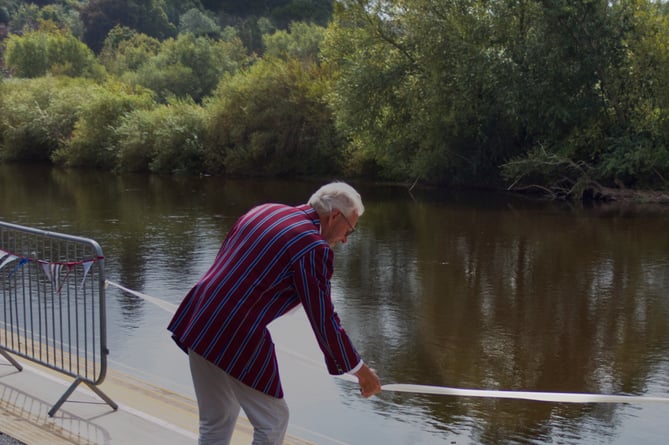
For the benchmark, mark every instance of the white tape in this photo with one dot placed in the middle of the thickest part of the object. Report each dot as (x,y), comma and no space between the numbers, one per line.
(169,307)
(563,397)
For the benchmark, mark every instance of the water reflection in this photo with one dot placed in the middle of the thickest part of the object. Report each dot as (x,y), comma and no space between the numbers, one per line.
(461,290)
(525,299)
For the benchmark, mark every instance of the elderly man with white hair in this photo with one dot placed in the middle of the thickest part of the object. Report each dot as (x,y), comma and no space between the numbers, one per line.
(274,258)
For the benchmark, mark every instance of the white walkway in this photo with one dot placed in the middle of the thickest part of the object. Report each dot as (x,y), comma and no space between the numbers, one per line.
(146,413)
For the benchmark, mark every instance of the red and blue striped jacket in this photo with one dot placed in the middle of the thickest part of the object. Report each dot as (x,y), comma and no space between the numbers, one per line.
(272,260)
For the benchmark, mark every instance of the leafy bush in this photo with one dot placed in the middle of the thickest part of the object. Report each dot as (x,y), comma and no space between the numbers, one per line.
(188,67)
(271,120)
(147,17)
(167,139)
(126,50)
(302,41)
(198,23)
(94,142)
(44,51)
(37,116)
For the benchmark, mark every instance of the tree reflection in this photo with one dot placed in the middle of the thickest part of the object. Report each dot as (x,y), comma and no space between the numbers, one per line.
(482,296)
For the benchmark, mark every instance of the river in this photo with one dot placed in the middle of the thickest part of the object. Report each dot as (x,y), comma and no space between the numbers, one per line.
(466,290)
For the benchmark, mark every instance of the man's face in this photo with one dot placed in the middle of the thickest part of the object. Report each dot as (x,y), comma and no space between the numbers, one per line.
(336,228)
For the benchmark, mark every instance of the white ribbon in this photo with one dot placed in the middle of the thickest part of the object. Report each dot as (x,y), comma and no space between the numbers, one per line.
(169,307)
(564,397)
(561,397)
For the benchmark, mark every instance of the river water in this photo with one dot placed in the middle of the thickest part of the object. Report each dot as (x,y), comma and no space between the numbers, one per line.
(449,289)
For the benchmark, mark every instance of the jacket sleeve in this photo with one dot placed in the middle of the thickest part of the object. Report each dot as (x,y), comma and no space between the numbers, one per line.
(312,281)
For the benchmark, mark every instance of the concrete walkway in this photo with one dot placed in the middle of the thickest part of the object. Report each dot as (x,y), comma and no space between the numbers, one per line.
(145,414)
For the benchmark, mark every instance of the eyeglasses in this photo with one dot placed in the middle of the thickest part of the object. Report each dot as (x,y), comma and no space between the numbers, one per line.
(351,229)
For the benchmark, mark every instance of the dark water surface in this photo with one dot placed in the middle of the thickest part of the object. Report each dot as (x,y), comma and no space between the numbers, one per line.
(436,288)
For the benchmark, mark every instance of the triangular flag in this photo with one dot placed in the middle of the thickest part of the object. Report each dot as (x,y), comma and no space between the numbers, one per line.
(87,266)
(8,260)
(46,267)
(18,266)
(54,270)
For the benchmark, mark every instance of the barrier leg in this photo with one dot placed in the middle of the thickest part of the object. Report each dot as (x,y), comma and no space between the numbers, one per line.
(71,389)
(11,360)
(102,395)
(64,397)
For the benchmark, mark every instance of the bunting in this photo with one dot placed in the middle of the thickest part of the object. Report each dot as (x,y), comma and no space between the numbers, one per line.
(87,266)
(52,269)
(6,258)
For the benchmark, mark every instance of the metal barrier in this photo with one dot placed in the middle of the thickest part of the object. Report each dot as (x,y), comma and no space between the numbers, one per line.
(52,305)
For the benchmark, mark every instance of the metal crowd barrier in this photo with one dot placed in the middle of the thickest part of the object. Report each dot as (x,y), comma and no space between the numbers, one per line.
(52,305)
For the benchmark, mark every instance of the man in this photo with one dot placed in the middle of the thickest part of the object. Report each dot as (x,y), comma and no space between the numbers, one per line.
(274,258)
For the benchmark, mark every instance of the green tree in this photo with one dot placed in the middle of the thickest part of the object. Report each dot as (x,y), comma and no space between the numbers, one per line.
(27,56)
(166,139)
(50,50)
(595,99)
(197,23)
(450,91)
(189,66)
(313,11)
(415,94)
(26,17)
(37,116)
(271,121)
(94,141)
(636,93)
(281,11)
(4,15)
(146,16)
(176,8)
(126,50)
(301,41)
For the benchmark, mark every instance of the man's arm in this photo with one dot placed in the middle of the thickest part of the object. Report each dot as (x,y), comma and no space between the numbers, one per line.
(313,286)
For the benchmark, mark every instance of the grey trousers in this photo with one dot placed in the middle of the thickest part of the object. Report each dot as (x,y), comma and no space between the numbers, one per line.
(219,399)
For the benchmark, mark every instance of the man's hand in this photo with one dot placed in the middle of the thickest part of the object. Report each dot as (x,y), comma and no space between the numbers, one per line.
(368,381)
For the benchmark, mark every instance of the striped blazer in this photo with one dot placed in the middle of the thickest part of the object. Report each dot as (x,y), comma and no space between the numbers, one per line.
(272,260)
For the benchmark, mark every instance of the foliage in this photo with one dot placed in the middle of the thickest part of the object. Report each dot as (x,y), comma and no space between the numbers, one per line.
(126,50)
(196,22)
(417,90)
(315,11)
(53,51)
(4,15)
(270,120)
(188,66)
(94,142)
(286,11)
(166,139)
(550,95)
(37,116)
(146,16)
(612,111)
(450,91)
(302,41)
(24,17)
(176,8)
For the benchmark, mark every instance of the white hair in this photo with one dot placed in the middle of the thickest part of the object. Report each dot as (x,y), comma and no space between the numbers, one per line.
(337,195)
